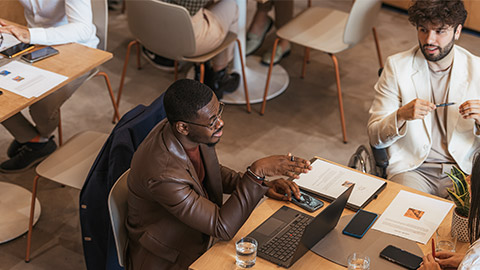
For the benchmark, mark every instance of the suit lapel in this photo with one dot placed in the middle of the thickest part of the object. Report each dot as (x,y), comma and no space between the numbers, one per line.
(421,81)
(458,89)
(213,178)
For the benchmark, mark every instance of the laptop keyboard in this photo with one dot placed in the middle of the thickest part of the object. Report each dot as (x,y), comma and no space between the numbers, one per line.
(284,245)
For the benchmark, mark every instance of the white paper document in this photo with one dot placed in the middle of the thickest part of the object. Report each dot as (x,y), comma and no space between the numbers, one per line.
(27,80)
(413,216)
(330,180)
(8,41)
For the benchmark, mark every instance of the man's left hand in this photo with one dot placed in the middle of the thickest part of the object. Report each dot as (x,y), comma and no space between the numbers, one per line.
(281,189)
(470,109)
(20,33)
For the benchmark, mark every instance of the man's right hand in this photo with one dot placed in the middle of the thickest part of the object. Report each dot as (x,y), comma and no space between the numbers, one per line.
(448,259)
(415,109)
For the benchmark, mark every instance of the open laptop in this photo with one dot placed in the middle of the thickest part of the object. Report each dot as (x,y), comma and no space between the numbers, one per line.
(288,234)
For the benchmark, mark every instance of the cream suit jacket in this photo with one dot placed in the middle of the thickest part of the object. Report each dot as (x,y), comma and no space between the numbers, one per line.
(406,77)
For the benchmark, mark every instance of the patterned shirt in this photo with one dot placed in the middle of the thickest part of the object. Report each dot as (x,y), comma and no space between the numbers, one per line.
(193,6)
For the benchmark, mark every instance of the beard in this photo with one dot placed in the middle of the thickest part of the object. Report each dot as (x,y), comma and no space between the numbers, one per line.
(201,139)
(442,52)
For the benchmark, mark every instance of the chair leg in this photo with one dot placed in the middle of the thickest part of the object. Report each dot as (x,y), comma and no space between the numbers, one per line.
(124,6)
(264,104)
(30,220)
(377,45)
(309,3)
(306,56)
(202,72)
(124,71)
(60,133)
(245,87)
(175,65)
(112,97)
(340,101)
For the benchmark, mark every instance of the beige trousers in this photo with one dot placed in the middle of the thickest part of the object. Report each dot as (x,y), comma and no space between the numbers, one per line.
(211,26)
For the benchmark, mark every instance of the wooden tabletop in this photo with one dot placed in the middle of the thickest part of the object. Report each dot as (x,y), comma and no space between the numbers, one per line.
(72,61)
(222,255)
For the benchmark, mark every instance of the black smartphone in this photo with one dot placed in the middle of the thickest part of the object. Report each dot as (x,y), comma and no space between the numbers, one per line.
(10,52)
(401,257)
(39,54)
(360,223)
(307,202)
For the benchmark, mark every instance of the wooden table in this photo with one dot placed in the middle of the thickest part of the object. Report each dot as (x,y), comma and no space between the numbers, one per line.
(222,255)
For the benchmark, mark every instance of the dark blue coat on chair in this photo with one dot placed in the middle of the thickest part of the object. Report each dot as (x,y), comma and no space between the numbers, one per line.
(112,161)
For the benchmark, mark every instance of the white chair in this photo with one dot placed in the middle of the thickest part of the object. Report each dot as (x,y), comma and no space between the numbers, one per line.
(100,20)
(117,206)
(331,31)
(166,30)
(68,165)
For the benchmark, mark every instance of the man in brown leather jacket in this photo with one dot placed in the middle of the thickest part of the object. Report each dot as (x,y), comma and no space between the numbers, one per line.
(175,206)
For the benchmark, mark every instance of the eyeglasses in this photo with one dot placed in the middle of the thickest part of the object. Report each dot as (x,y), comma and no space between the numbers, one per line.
(1,39)
(215,120)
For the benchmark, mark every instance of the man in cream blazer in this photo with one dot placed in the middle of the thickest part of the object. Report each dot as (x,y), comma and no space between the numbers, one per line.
(424,139)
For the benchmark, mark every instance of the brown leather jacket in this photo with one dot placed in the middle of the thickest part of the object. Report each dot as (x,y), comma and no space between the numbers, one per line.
(171,216)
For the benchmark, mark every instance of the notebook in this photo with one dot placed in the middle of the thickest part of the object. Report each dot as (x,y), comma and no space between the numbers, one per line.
(288,234)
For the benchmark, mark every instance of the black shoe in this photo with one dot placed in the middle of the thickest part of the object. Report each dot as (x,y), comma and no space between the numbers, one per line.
(27,156)
(221,82)
(14,148)
(158,61)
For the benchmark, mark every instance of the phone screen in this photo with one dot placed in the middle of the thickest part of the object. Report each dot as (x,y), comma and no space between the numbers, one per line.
(360,223)
(40,54)
(401,257)
(15,49)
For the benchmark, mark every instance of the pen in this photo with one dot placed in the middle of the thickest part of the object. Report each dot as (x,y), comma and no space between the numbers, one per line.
(433,248)
(445,104)
(24,51)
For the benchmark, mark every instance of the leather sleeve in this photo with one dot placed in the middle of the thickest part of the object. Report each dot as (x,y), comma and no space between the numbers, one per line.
(179,198)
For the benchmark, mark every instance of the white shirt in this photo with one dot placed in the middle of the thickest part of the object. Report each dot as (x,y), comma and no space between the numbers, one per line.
(53,22)
(471,261)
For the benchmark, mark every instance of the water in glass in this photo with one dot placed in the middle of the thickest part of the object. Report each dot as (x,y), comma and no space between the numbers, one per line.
(246,254)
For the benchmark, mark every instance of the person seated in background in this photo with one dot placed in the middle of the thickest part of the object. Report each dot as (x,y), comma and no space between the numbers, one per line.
(262,23)
(175,204)
(211,24)
(470,260)
(50,22)
(426,110)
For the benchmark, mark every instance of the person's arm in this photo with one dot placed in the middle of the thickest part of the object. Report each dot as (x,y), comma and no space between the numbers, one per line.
(447,259)
(470,109)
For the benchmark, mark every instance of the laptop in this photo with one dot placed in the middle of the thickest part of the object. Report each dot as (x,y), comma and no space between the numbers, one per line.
(288,234)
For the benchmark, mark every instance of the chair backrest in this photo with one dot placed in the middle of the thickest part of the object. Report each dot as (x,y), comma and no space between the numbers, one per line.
(100,20)
(361,20)
(163,28)
(117,207)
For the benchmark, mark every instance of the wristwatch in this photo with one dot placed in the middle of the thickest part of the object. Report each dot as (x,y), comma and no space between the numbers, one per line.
(256,177)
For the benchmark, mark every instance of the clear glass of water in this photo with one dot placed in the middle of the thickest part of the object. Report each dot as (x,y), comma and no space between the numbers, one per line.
(246,252)
(445,239)
(358,261)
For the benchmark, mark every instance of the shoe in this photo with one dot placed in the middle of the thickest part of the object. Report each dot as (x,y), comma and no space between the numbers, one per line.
(158,61)
(279,55)
(221,81)
(27,156)
(254,41)
(14,148)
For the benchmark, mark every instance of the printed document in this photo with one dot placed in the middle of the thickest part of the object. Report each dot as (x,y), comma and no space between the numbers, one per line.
(9,40)
(413,216)
(26,80)
(329,180)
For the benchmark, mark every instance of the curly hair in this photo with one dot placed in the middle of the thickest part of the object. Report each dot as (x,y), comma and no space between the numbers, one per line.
(437,12)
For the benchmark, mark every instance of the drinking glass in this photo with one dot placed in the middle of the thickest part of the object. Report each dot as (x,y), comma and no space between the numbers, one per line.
(445,239)
(358,261)
(246,252)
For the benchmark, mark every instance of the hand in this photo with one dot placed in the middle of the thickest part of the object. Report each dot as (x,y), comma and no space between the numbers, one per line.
(20,33)
(280,165)
(470,109)
(415,109)
(281,189)
(447,259)
(429,263)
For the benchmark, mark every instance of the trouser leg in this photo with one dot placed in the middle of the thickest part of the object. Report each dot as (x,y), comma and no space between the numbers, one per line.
(283,12)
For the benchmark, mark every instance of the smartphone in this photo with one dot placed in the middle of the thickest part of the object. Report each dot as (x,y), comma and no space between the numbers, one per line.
(360,223)
(39,54)
(307,202)
(10,52)
(401,257)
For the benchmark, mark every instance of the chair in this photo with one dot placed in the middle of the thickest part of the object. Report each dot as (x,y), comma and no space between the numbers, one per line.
(166,30)
(100,20)
(331,31)
(117,207)
(370,160)
(68,165)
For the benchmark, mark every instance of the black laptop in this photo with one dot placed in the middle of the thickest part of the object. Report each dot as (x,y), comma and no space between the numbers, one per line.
(288,234)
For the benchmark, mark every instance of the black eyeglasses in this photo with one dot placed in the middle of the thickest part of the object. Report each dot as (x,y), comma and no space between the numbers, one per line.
(215,120)
(1,39)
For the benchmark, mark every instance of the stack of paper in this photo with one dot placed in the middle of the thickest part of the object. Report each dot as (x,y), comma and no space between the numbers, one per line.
(8,41)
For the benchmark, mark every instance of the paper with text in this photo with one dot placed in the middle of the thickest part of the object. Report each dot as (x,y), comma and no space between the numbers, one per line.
(331,180)
(413,216)
(26,80)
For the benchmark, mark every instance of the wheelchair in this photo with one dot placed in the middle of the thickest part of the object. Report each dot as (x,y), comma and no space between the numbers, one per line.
(370,160)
